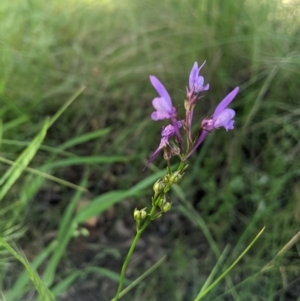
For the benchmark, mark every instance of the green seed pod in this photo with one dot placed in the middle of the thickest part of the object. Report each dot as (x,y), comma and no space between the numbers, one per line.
(136,214)
(175,177)
(158,187)
(143,213)
(161,201)
(139,215)
(166,207)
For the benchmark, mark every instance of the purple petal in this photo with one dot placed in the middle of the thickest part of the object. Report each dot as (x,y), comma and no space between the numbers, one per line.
(200,81)
(193,75)
(206,87)
(225,103)
(224,119)
(176,127)
(207,124)
(159,116)
(161,90)
(162,108)
(163,143)
(168,131)
(199,141)
(153,156)
(230,125)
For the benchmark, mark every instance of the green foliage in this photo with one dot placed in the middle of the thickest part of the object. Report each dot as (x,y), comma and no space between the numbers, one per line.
(237,183)
(43,291)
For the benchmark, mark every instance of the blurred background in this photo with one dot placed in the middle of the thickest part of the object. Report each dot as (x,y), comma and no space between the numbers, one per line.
(77,236)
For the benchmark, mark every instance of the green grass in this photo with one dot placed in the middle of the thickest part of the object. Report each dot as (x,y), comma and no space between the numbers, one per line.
(237,182)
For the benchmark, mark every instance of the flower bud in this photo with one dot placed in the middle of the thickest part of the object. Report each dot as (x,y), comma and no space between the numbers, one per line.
(166,179)
(167,153)
(161,201)
(175,150)
(158,187)
(175,177)
(166,207)
(136,214)
(143,213)
(186,104)
(139,215)
(84,232)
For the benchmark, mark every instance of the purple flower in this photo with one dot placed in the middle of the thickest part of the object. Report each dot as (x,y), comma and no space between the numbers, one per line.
(195,81)
(166,133)
(222,117)
(162,104)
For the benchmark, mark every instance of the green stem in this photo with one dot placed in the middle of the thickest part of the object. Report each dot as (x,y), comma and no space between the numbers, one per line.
(180,166)
(132,247)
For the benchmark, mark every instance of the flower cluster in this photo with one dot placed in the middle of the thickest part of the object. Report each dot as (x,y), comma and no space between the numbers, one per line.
(164,109)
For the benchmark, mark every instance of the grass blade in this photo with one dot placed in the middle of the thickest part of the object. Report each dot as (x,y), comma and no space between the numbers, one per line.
(46,176)
(44,293)
(84,138)
(206,291)
(142,277)
(85,160)
(101,203)
(66,105)
(14,172)
(19,287)
(65,232)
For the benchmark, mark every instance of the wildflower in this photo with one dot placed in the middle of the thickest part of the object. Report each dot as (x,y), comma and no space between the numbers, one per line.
(196,81)
(162,104)
(167,132)
(222,116)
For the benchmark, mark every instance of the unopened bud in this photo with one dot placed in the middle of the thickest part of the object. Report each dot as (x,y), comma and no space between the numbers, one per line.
(175,150)
(136,214)
(161,201)
(167,154)
(166,178)
(175,177)
(158,187)
(166,207)
(186,104)
(143,213)
(139,215)
(84,232)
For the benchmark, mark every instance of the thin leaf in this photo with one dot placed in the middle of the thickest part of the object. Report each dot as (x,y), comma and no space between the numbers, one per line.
(142,277)
(44,293)
(206,291)
(65,233)
(85,160)
(46,176)
(19,287)
(102,203)
(14,172)
(65,106)
(84,138)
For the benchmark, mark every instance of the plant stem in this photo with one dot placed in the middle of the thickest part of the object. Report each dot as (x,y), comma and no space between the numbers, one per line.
(131,249)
